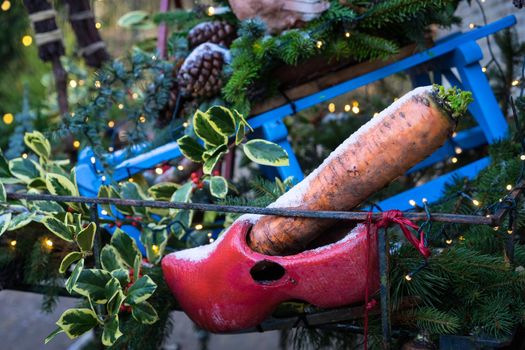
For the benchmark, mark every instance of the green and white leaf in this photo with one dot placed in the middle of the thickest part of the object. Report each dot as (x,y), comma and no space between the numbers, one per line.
(214,157)
(207,131)
(218,186)
(131,190)
(92,284)
(5,220)
(163,190)
(122,275)
(4,167)
(183,194)
(24,169)
(68,260)
(113,306)
(60,185)
(3,196)
(75,322)
(191,148)
(46,206)
(239,119)
(21,220)
(86,236)
(126,247)
(37,183)
(141,290)
(266,153)
(112,288)
(111,331)
(132,19)
(58,228)
(222,120)
(38,144)
(72,280)
(144,313)
(111,259)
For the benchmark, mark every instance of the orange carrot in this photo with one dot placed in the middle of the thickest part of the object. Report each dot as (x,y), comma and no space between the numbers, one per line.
(380,151)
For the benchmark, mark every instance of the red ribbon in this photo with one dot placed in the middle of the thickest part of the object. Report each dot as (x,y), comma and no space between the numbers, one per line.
(388,218)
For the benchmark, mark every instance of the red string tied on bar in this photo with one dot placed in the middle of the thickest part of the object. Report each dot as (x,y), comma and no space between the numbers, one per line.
(388,218)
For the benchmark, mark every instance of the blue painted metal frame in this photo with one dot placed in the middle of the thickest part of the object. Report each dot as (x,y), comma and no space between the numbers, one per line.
(458,51)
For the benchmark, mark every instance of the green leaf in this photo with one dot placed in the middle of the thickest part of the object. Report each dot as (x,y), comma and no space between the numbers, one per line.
(155,242)
(68,260)
(58,228)
(4,167)
(86,236)
(21,220)
(45,206)
(122,275)
(53,334)
(60,185)
(215,156)
(266,153)
(37,183)
(183,194)
(132,18)
(126,247)
(137,264)
(239,135)
(75,322)
(92,284)
(72,280)
(163,190)
(111,331)
(141,290)
(218,186)
(239,119)
(3,196)
(181,222)
(5,220)
(110,259)
(191,148)
(144,313)
(131,190)
(24,169)
(112,288)
(115,302)
(38,144)
(206,130)
(222,120)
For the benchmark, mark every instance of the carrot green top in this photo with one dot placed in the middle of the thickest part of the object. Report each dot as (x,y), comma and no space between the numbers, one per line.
(453,100)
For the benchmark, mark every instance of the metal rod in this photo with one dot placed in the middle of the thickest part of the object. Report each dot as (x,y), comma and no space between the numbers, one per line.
(334,215)
(384,273)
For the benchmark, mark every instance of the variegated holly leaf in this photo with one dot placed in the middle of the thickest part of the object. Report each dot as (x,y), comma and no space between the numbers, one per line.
(24,169)
(111,259)
(4,167)
(58,228)
(221,118)
(38,144)
(218,186)
(5,220)
(183,194)
(111,192)
(239,119)
(111,331)
(214,155)
(86,236)
(75,322)
(163,190)
(112,288)
(131,190)
(60,185)
(126,247)
(92,284)
(181,223)
(3,195)
(122,275)
(21,220)
(266,153)
(37,183)
(144,313)
(207,131)
(155,242)
(68,260)
(114,303)
(72,280)
(141,290)
(46,206)
(191,148)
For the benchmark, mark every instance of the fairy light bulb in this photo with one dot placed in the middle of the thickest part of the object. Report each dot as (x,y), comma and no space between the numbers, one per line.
(134,95)
(209,234)
(472,25)
(509,187)
(158,171)
(347,108)
(454,160)
(475,202)
(509,232)
(331,108)
(448,241)
(73,83)
(355,107)
(98,84)
(120,106)
(408,277)
(412,202)
(461,238)
(496,228)
(24,155)
(515,82)
(48,243)
(111,123)
(347,34)
(454,134)
(76,144)
(424,200)
(210,11)
(103,178)
(484,69)
(12,243)
(211,240)
(93,160)
(8,118)
(319,44)
(98,25)
(458,150)
(27,40)
(198,227)
(185,124)
(376,114)
(131,180)
(180,168)
(142,119)
(155,248)
(6,5)
(104,212)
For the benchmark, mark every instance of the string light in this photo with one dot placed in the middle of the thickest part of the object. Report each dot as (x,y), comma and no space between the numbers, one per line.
(461,238)
(475,202)
(424,200)
(8,118)
(180,168)
(198,227)
(211,11)
(185,124)
(48,243)
(454,160)
(73,83)
(24,155)
(319,44)
(522,157)
(376,114)
(103,178)
(158,171)
(509,232)
(12,243)
(412,202)
(448,241)
(408,277)
(155,248)
(104,212)
(111,123)
(355,107)
(454,134)
(472,25)
(98,84)
(331,107)
(120,106)
(98,25)
(211,240)
(142,119)
(110,149)
(27,40)
(93,160)
(76,144)
(458,150)
(6,5)
(496,228)
(484,69)
(347,34)
(134,96)
(209,234)
(509,187)
(131,179)
(515,82)
(347,108)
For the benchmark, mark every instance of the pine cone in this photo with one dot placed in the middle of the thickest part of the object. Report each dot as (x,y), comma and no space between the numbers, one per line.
(201,72)
(166,114)
(217,32)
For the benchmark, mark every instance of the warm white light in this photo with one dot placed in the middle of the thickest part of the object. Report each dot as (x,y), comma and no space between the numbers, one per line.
(412,202)
(98,25)
(134,95)
(515,82)
(73,83)
(27,40)
(93,160)
(509,232)
(211,11)
(24,155)
(142,119)
(319,44)
(12,243)
(103,178)
(454,160)
(104,212)
(49,243)
(111,124)
(159,171)
(448,241)
(155,248)
(484,69)
(475,202)
(424,200)
(458,150)
(347,108)
(8,118)
(522,157)
(471,25)
(347,34)
(509,187)
(180,167)
(185,124)
(120,106)
(98,84)
(408,278)
(355,109)
(6,5)
(331,108)
(198,227)
(76,144)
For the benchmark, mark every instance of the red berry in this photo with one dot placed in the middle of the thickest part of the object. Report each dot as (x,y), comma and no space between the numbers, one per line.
(200,185)
(70,210)
(119,224)
(194,175)
(216,172)
(134,224)
(195,181)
